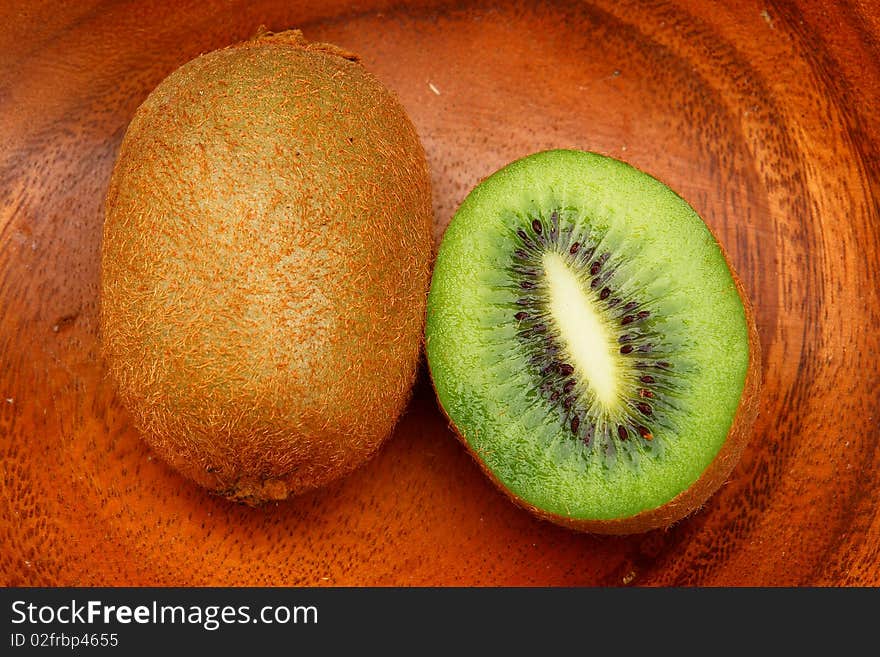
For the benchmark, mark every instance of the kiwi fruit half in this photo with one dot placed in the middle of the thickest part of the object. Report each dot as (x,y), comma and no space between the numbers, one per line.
(265,262)
(590,343)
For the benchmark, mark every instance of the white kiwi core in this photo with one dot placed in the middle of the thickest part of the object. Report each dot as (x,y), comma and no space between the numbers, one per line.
(583,329)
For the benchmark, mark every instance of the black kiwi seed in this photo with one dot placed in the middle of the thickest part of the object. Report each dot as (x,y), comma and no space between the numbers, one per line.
(521,315)
(574,248)
(565,369)
(588,435)
(605,293)
(575,423)
(536,226)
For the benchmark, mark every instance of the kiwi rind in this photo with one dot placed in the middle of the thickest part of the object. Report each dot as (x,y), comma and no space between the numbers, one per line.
(714,472)
(294,186)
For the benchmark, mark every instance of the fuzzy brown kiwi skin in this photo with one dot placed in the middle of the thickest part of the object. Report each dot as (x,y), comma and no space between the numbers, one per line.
(268,457)
(696,494)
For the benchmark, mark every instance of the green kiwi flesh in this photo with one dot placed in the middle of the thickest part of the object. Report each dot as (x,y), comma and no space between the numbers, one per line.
(265,261)
(589,343)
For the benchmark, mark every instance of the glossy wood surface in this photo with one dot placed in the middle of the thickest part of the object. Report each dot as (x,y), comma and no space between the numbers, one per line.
(764,115)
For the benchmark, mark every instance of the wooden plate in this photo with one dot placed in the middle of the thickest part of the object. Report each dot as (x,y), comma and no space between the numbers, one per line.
(765,117)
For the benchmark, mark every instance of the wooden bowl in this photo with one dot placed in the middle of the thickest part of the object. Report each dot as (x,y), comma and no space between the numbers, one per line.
(766,120)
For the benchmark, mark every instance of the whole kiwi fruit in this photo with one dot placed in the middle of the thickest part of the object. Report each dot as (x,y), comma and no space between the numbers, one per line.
(265,261)
(591,344)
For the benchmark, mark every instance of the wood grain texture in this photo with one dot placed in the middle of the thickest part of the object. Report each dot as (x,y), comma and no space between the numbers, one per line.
(765,116)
